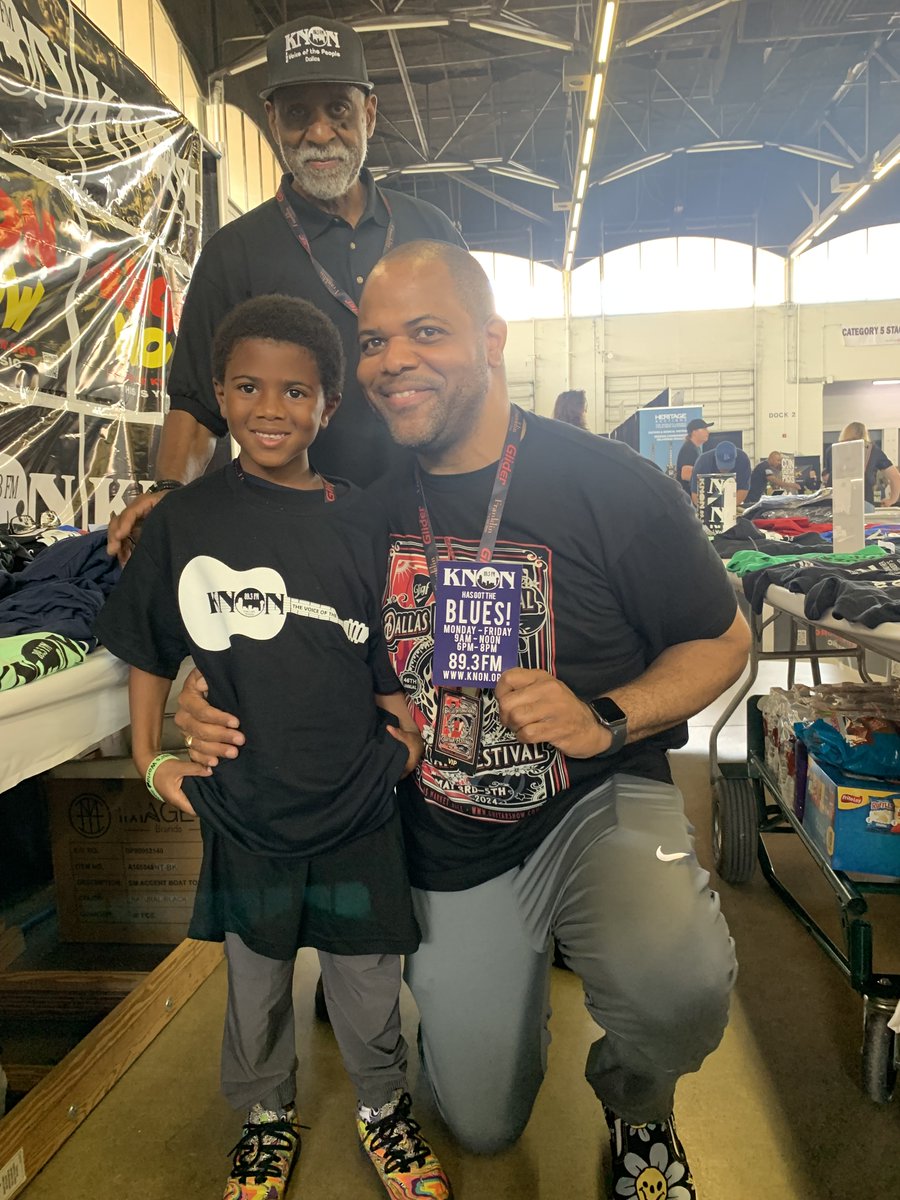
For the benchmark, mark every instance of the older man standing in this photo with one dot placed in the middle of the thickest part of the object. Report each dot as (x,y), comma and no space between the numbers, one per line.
(544,808)
(317,239)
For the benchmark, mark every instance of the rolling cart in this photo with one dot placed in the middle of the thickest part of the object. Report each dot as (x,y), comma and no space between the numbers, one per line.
(747,803)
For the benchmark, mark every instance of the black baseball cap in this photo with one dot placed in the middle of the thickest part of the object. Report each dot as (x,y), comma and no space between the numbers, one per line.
(698,424)
(314,50)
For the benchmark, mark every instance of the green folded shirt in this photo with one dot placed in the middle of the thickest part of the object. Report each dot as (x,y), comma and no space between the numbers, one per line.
(742,562)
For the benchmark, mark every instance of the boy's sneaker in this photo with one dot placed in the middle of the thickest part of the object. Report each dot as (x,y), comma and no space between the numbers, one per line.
(648,1161)
(265,1155)
(406,1164)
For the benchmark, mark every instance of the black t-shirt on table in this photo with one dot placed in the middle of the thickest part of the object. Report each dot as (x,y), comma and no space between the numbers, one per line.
(276,595)
(616,569)
(687,456)
(257,255)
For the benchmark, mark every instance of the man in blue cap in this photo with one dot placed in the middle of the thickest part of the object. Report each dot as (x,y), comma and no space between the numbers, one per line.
(725,459)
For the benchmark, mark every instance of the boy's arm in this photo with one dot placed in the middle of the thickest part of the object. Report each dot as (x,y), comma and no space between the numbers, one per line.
(147,700)
(396,705)
(407,732)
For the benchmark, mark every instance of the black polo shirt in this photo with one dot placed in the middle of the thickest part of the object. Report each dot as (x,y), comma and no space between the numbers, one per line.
(258,254)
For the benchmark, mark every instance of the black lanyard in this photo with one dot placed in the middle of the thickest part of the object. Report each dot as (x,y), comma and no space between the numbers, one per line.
(327,485)
(287,211)
(495,506)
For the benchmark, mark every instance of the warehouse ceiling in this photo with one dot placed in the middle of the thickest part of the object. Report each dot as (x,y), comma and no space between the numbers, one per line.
(810,75)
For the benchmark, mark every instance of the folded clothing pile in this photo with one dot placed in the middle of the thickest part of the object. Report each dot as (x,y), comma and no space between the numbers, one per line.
(864,590)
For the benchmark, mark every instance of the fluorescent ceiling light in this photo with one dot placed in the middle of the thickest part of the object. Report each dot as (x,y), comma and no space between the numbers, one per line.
(857,195)
(884,382)
(713,147)
(522,33)
(247,64)
(630,168)
(398,23)
(816,155)
(803,246)
(588,148)
(609,19)
(826,225)
(573,238)
(525,176)
(567,265)
(581,184)
(596,92)
(576,213)
(429,168)
(680,17)
(887,166)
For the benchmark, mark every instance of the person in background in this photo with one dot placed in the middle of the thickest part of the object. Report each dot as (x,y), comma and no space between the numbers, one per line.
(725,459)
(697,436)
(317,239)
(571,407)
(269,575)
(766,475)
(875,461)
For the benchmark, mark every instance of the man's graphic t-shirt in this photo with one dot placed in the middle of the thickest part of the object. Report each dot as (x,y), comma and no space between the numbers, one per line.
(616,569)
(276,595)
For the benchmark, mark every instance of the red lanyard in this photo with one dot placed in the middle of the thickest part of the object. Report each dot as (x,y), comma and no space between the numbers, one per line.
(495,505)
(287,211)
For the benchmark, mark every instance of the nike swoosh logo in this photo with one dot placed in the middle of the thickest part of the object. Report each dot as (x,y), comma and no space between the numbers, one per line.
(671,857)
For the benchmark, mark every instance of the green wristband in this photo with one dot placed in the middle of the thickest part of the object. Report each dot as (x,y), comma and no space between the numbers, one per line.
(151,772)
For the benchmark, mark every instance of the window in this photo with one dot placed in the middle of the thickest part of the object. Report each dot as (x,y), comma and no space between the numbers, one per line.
(863,265)
(524,290)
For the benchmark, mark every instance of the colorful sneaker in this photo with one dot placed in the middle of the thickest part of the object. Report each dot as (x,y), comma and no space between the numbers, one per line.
(265,1155)
(648,1161)
(406,1164)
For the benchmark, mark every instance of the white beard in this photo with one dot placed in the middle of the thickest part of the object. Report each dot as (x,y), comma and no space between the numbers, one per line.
(330,184)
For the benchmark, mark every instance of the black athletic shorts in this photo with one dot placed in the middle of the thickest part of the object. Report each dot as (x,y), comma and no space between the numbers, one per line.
(353,900)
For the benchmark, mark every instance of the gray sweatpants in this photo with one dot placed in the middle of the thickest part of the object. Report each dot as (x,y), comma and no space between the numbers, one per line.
(639,925)
(259,1055)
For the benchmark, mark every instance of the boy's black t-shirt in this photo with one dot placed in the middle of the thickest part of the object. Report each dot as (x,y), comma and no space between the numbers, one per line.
(616,569)
(276,595)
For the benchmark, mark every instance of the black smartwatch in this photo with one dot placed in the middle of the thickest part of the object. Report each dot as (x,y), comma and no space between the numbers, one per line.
(610,716)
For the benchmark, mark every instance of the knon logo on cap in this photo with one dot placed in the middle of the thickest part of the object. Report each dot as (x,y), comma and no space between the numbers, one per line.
(309,43)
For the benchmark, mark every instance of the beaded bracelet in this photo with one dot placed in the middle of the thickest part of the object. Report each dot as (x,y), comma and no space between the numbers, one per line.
(151,772)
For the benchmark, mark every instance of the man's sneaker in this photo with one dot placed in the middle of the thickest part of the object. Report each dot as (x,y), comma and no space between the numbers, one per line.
(648,1161)
(406,1164)
(265,1155)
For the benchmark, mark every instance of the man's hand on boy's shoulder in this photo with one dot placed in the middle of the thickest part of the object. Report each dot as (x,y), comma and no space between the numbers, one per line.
(209,733)
(415,747)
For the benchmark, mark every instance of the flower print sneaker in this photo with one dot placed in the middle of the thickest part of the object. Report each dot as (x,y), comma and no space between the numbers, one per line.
(648,1162)
(406,1164)
(265,1155)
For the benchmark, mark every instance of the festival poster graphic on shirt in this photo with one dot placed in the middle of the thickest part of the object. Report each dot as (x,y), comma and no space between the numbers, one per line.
(99,227)
(510,779)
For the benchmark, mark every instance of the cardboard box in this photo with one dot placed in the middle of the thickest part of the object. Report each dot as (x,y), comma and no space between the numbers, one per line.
(125,865)
(840,820)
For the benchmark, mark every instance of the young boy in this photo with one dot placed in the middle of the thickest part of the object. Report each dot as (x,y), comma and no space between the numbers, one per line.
(271,578)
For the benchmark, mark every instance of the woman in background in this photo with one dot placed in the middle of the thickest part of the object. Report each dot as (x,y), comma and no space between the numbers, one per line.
(570,407)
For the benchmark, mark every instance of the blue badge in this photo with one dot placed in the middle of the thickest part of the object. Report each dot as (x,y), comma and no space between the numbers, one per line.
(476,626)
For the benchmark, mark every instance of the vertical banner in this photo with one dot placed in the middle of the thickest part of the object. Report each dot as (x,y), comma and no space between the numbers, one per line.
(717,502)
(661,432)
(100,200)
(848,496)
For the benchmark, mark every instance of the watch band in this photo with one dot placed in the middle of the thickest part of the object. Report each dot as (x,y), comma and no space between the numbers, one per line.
(165,485)
(608,714)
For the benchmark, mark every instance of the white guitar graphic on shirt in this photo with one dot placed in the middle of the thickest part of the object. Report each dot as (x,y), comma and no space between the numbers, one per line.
(218,603)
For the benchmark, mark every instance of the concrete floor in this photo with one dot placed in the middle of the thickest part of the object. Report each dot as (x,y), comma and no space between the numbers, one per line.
(775,1114)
